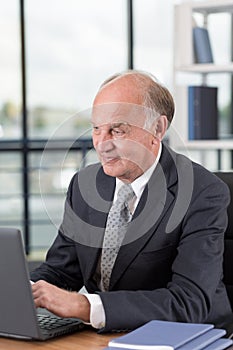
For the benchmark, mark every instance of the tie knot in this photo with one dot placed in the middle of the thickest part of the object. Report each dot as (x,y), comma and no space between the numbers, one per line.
(125,193)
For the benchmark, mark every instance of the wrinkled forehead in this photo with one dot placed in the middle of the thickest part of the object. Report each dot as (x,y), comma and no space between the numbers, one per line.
(113,112)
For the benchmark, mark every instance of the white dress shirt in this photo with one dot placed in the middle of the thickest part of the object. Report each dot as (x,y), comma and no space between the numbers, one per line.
(97,314)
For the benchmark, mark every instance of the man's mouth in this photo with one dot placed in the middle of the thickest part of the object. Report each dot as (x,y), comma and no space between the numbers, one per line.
(109,160)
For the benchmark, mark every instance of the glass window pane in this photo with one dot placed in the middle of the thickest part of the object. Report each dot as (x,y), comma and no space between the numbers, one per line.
(47,208)
(10,117)
(10,183)
(68,56)
(11,211)
(10,174)
(42,237)
(51,171)
(153,38)
(11,193)
(10,161)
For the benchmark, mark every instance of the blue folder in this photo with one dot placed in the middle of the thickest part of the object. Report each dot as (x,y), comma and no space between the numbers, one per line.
(174,334)
(165,335)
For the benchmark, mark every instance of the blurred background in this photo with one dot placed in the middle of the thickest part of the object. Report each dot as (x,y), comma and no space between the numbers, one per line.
(54,54)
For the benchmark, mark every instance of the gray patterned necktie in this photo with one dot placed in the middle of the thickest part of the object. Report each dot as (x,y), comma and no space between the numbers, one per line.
(118,218)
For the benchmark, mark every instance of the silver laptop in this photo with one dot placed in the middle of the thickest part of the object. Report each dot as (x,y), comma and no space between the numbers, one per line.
(19,317)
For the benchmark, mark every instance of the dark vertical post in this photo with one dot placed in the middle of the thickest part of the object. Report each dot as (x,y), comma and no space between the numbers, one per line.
(130,34)
(231,100)
(24,128)
(219,159)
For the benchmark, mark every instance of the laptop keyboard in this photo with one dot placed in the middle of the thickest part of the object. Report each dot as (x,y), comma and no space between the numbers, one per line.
(48,322)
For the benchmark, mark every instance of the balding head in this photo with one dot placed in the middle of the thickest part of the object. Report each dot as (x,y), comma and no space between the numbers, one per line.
(141,88)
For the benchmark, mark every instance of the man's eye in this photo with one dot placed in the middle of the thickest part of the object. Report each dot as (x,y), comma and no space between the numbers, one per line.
(118,132)
(96,129)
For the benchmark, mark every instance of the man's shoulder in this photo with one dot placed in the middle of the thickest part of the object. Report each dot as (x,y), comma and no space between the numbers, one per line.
(209,183)
(206,175)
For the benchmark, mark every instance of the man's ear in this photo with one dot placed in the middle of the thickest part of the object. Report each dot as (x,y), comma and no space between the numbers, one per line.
(160,127)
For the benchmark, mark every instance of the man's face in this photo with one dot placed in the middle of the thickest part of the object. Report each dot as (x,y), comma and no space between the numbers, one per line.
(125,149)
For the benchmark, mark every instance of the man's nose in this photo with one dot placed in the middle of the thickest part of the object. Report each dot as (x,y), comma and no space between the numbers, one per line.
(105,144)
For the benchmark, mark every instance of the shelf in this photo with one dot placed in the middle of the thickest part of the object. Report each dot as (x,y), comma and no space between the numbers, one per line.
(206,68)
(213,6)
(208,145)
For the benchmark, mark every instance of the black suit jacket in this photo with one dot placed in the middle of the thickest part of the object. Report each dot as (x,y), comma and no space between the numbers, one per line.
(170,264)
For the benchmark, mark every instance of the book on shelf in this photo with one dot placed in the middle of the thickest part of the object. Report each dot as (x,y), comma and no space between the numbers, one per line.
(202,113)
(165,335)
(201,45)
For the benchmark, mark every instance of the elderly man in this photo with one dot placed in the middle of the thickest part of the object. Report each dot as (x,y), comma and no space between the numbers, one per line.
(143,230)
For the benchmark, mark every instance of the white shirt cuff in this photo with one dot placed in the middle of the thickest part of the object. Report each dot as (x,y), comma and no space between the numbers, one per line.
(97,314)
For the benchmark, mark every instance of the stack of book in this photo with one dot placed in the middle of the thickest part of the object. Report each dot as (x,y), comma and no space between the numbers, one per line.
(165,335)
(202,112)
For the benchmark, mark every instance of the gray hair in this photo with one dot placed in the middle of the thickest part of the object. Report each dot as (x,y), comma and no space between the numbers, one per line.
(155,97)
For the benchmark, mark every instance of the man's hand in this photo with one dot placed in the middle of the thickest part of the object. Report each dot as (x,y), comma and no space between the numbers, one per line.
(61,302)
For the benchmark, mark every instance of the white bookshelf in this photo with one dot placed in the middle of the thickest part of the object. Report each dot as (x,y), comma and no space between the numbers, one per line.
(184,64)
